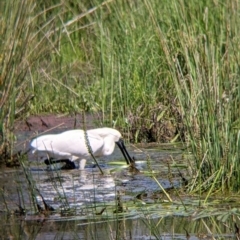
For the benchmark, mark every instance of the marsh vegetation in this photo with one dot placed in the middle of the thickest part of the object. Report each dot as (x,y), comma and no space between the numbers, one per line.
(161,72)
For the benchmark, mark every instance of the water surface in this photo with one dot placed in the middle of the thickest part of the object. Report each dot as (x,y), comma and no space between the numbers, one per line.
(117,205)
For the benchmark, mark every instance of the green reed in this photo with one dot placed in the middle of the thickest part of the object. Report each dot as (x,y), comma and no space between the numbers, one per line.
(202,56)
(181,59)
(23,46)
(162,72)
(112,65)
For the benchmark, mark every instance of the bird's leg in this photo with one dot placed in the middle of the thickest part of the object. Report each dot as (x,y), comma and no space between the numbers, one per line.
(82,164)
(68,164)
(49,161)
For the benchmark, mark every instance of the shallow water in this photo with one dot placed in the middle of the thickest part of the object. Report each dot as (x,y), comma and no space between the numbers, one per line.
(90,185)
(117,205)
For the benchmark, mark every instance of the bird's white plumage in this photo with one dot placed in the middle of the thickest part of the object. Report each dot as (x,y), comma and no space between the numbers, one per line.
(72,144)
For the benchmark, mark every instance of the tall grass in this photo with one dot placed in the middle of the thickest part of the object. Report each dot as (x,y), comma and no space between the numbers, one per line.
(23,46)
(204,64)
(178,64)
(14,65)
(161,71)
(112,65)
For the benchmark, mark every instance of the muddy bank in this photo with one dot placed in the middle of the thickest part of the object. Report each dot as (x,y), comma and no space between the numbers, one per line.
(55,122)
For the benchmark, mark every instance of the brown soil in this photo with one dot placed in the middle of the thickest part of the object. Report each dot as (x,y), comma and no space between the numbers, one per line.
(55,123)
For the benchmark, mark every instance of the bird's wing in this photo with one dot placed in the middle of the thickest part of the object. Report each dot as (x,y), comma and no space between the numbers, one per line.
(75,143)
(42,143)
(45,142)
(71,144)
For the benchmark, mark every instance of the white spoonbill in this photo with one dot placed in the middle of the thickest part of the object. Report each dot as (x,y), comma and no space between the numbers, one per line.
(72,145)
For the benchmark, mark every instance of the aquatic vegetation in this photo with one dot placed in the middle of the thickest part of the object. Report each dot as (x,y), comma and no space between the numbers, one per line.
(123,203)
(204,64)
(162,74)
